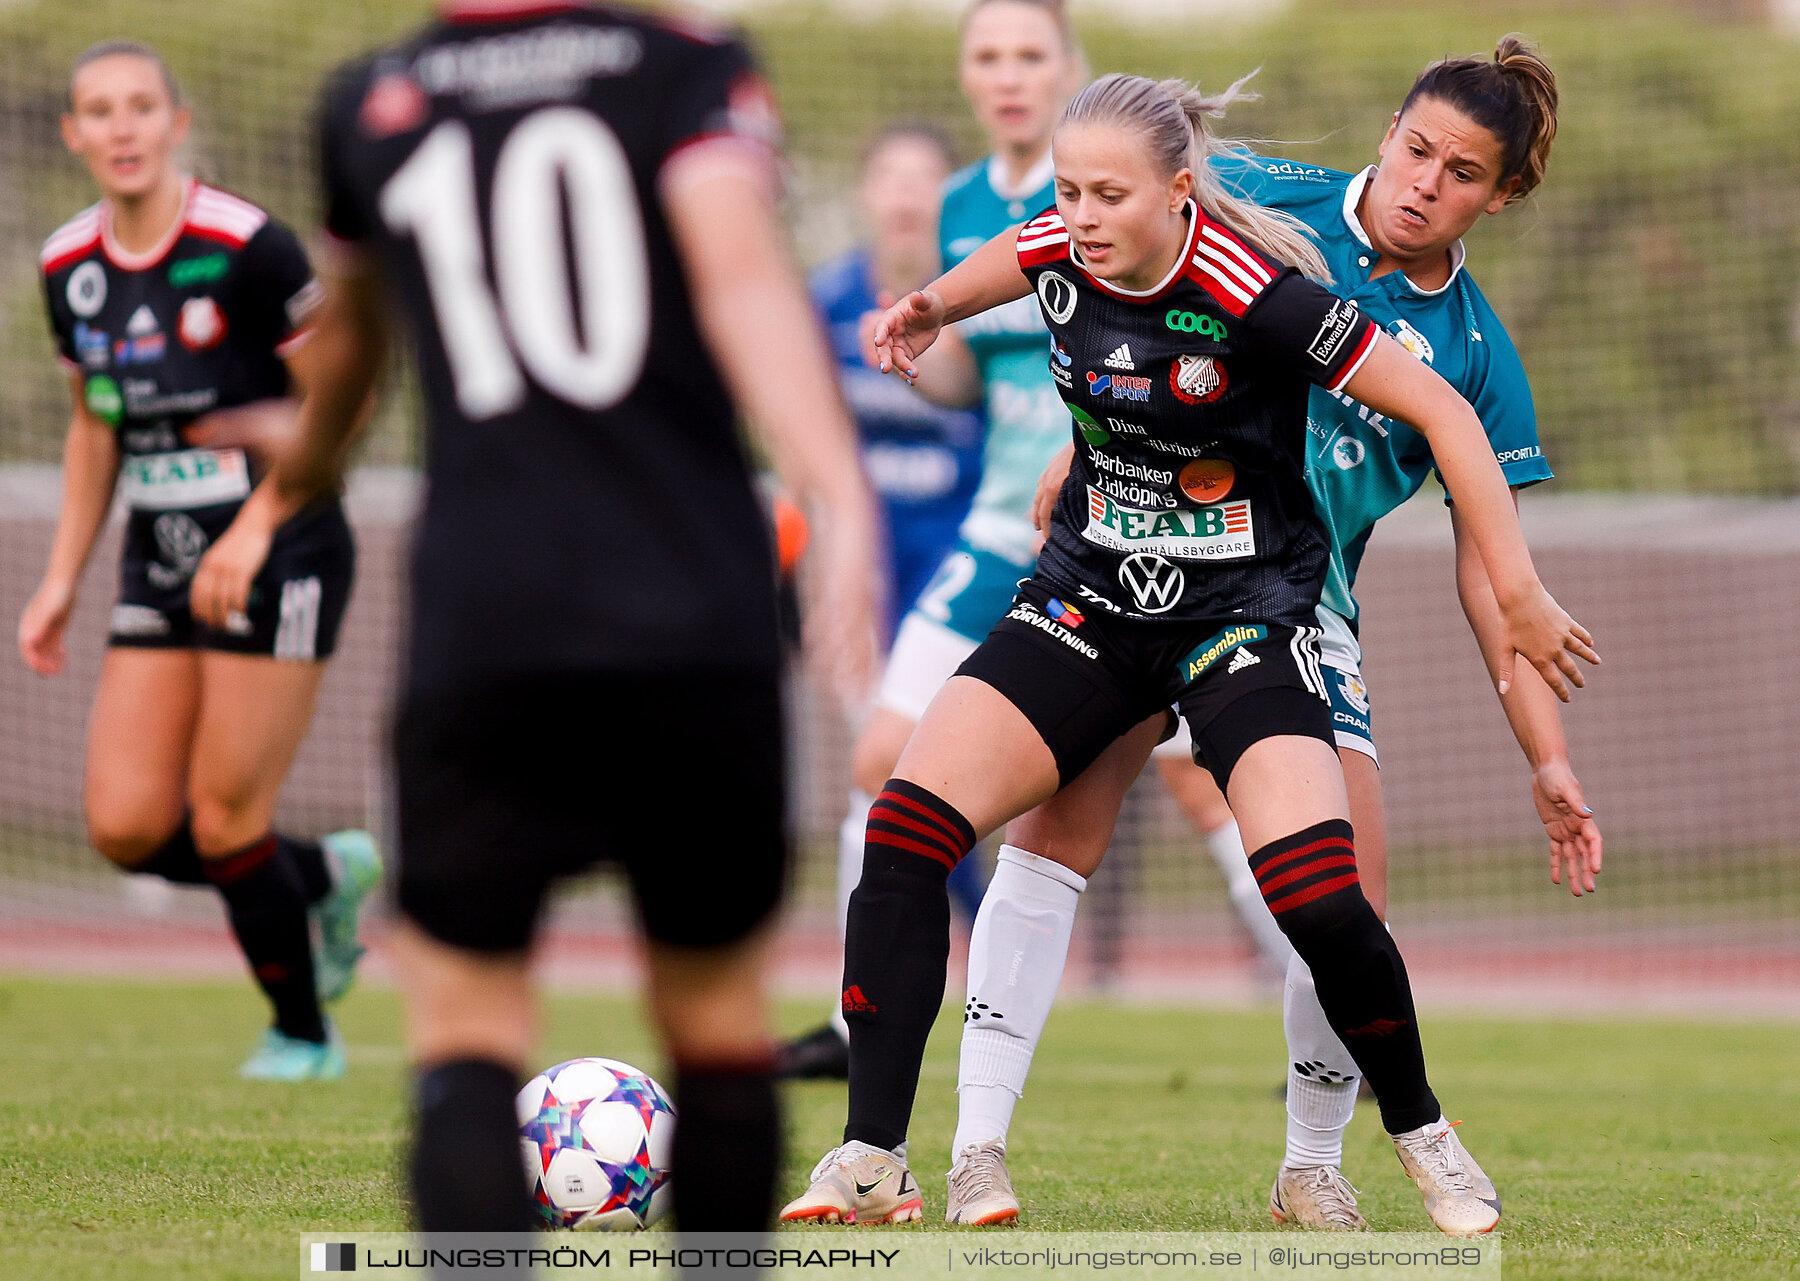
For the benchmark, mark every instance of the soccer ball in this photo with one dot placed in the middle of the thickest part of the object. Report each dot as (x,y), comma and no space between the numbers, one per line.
(596,1135)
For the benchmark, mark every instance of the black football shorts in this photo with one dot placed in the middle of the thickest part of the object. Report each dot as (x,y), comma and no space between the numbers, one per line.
(296,604)
(505,789)
(1083,678)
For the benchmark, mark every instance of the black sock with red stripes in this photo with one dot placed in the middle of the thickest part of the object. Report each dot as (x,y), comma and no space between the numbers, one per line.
(1310,883)
(266,899)
(896,943)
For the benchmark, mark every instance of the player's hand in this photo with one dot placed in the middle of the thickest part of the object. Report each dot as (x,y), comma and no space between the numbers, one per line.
(41,627)
(1575,844)
(1541,632)
(840,622)
(865,326)
(906,330)
(1049,486)
(219,595)
(267,428)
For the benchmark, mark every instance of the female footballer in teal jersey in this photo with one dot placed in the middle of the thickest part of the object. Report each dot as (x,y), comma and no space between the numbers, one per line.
(1020,64)
(1471,137)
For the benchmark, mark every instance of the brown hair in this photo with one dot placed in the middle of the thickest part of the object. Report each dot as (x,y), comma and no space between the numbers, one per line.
(128,49)
(1171,118)
(1513,97)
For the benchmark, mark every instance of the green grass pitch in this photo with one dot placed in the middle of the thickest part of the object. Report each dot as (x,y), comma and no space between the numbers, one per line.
(1624,1149)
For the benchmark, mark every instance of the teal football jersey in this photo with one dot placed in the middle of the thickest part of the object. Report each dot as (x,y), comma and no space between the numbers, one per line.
(1360,465)
(1027,422)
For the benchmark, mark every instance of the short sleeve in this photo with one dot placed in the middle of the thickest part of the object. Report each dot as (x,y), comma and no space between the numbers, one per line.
(718,94)
(60,329)
(276,290)
(346,215)
(1503,401)
(1302,326)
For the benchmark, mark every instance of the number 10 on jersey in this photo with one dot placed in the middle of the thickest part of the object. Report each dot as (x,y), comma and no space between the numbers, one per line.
(551,155)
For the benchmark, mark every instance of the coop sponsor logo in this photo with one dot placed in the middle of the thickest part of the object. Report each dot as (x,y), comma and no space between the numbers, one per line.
(1025,612)
(198,271)
(1221,531)
(1210,651)
(1194,322)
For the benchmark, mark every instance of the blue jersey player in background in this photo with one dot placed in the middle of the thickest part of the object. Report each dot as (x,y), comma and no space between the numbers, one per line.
(923,459)
(1020,64)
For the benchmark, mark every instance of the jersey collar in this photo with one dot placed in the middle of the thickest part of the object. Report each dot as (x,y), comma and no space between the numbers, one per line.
(1161,286)
(123,258)
(1036,178)
(504,10)
(1353,197)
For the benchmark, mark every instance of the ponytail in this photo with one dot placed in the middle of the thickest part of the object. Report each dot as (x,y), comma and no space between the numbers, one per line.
(1171,116)
(1513,97)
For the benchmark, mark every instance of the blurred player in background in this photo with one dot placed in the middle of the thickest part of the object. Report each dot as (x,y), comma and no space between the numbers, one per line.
(1472,136)
(1151,590)
(924,459)
(170,298)
(1020,64)
(574,208)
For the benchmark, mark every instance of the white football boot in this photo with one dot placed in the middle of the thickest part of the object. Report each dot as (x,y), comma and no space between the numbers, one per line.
(858,1183)
(981,1193)
(1459,1197)
(1316,1196)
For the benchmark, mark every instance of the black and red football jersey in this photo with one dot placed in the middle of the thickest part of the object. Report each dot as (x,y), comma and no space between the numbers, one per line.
(590,506)
(1187,499)
(200,322)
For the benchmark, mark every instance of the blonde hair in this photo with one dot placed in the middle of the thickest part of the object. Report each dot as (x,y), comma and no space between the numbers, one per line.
(1170,116)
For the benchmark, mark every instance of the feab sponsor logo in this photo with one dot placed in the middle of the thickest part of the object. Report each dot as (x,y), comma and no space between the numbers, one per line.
(1119,386)
(1221,531)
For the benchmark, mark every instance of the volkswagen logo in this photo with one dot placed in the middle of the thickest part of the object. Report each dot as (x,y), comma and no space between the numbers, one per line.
(1154,583)
(1057,294)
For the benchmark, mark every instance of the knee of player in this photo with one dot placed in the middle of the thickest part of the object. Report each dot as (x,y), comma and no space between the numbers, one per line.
(128,839)
(872,761)
(222,823)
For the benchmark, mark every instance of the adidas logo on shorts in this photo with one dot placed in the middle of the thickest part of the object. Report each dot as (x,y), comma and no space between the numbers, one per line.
(1244,658)
(1120,359)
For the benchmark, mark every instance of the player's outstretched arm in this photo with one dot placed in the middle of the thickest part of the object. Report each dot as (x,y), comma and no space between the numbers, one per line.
(1536,720)
(1390,381)
(90,470)
(759,324)
(984,280)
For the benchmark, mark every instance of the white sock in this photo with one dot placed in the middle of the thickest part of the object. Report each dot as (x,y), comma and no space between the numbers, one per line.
(851,833)
(1227,847)
(1016,956)
(1322,1077)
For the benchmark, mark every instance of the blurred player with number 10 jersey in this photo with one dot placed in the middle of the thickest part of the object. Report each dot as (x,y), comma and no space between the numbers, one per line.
(574,209)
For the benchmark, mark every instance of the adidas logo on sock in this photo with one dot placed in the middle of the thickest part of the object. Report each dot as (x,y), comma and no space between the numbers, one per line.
(854,1002)
(1243,659)
(1120,359)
